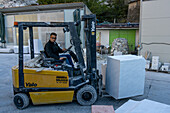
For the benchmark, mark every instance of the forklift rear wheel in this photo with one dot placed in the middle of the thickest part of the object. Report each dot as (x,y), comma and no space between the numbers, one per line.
(21,100)
(86,95)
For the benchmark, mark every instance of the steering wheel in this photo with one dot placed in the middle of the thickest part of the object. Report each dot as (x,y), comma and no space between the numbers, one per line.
(68,49)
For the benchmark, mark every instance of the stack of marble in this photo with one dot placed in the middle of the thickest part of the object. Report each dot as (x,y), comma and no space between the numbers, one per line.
(125,76)
(120,45)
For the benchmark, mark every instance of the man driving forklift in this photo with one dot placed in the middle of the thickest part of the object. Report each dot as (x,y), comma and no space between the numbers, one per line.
(52,50)
(64,83)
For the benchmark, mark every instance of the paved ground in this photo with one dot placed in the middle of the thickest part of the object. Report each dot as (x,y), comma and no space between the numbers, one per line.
(156,88)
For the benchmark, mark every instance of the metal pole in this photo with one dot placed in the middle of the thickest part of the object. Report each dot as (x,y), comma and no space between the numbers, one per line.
(21,74)
(140,28)
(31,42)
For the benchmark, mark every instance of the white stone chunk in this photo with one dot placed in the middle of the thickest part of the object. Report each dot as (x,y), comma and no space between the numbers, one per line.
(144,106)
(125,76)
(128,106)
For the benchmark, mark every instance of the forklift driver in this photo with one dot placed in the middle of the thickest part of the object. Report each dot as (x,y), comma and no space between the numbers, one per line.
(52,50)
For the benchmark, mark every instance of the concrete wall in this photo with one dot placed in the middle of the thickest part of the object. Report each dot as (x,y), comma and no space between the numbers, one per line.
(156,28)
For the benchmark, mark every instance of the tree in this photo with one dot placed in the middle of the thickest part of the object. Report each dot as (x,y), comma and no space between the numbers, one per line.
(118,10)
(105,10)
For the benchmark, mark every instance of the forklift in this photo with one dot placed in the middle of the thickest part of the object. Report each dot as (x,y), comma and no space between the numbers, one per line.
(63,83)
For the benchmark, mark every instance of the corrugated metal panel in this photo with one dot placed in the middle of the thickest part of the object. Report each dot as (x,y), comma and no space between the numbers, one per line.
(130,35)
(40,8)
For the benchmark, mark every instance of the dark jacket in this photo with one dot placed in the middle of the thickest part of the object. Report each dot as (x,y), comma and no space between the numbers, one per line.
(52,50)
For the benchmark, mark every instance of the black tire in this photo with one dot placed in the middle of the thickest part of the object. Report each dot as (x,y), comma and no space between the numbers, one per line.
(86,95)
(21,100)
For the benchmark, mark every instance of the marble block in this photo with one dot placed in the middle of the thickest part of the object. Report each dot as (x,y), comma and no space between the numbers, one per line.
(144,106)
(103,72)
(128,106)
(125,76)
(25,49)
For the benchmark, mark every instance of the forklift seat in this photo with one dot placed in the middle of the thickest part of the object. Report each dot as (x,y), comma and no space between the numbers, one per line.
(49,62)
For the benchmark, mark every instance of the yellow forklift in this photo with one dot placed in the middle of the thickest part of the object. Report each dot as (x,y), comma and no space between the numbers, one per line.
(62,83)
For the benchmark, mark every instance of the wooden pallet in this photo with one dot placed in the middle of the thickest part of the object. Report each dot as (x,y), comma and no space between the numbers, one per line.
(158,71)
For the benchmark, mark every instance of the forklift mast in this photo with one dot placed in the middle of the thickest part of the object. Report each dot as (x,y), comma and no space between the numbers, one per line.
(90,30)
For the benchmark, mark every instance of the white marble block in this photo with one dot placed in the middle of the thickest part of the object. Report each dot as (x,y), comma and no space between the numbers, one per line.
(103,72)
(125,76)
(25,49)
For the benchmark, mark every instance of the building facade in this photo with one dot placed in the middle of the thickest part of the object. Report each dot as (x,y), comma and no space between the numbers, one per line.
(155,26)
(42,13)
(107,33)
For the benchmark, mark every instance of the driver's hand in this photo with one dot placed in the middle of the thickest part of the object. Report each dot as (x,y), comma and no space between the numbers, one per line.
(64,49)
(62,58)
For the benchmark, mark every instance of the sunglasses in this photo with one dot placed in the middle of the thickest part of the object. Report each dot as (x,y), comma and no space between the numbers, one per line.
(53,38)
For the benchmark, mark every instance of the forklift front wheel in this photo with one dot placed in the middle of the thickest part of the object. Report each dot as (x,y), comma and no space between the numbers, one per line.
(86,95)
(21,100)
